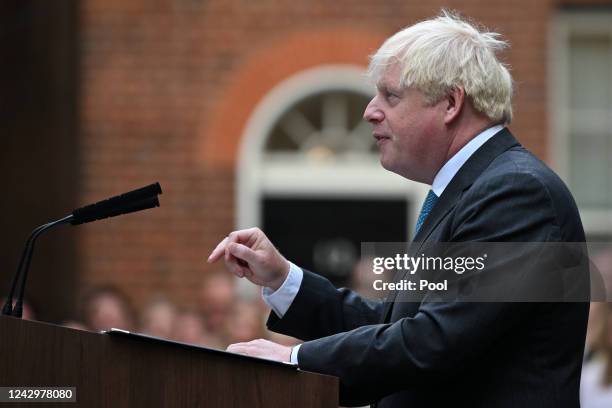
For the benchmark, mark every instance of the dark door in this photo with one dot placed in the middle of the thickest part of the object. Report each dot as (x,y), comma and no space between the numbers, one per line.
(324,235)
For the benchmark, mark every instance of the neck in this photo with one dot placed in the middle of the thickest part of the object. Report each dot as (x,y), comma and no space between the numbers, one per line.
(459,136)
(465,129)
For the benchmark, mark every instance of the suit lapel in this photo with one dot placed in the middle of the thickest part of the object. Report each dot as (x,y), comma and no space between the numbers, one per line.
(464,178)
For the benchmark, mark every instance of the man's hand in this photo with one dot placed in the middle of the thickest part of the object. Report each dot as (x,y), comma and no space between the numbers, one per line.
(250,254)
(262,348)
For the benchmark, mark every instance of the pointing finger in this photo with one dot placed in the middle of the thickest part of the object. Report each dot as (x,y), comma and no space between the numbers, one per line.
(218,251)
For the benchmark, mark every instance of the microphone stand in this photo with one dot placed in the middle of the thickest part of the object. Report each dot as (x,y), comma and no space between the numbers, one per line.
(24,266)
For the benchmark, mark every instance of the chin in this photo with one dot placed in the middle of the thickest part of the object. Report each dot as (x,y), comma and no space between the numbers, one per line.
(390,167)
(402,171)
(384,164)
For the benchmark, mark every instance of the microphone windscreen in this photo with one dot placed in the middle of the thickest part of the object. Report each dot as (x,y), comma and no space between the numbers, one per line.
(132,206)
(121,204)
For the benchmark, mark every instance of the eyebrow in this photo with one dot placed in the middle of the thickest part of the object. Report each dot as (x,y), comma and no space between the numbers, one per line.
(384,87)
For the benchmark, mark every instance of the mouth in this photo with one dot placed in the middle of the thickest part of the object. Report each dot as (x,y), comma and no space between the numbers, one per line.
(380,139)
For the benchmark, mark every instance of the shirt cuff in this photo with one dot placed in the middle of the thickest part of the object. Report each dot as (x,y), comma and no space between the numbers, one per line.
(294,354)
(281,299)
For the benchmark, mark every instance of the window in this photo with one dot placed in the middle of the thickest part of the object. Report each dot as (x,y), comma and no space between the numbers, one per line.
(581,109)
(325,126)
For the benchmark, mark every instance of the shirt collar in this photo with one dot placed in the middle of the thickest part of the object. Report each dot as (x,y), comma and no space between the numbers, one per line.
(451,167)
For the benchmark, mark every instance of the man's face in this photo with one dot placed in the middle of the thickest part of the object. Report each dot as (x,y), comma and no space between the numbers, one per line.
(410,134)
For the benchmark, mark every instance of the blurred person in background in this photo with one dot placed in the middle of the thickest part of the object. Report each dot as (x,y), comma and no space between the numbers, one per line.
(104,307)
(217,296)
(29,311)
(594,329)
(158,318)
(596,383)
(603,262)
(189,328)
(246,321)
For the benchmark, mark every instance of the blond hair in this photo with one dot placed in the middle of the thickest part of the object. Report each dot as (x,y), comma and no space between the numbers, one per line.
(446,52)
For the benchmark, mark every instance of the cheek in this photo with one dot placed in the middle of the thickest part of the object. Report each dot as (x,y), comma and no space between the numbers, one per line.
(404,129)
(413,136)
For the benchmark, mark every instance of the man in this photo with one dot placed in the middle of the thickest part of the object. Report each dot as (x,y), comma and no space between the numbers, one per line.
(438,118)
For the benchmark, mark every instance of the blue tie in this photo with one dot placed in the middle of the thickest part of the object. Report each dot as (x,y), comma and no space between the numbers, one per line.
(428,205)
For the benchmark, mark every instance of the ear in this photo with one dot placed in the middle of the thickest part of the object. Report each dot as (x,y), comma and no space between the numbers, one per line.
(454,104)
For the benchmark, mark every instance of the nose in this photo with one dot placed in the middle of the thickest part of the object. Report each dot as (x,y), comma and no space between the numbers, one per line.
(372,112)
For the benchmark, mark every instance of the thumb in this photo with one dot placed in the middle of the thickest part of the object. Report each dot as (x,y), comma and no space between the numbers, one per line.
(243,252)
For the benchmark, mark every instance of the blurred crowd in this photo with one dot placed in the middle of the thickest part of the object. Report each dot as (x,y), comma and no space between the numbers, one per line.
(221,317)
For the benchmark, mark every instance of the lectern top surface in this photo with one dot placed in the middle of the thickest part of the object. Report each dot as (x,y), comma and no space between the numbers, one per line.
(148,338)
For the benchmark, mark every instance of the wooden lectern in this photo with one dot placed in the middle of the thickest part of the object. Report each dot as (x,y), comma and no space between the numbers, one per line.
(116,371)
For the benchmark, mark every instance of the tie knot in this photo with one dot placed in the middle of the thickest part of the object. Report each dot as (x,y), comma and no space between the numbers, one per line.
(431,198)
(428,205)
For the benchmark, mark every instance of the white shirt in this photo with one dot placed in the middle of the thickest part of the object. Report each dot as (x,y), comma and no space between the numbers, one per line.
(281,299)
(593,394)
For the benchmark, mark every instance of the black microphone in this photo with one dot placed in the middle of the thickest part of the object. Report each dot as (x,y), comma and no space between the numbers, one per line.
(132,201)
(136,200)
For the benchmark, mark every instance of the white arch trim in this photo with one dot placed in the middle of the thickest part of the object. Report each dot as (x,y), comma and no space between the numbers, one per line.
(364,178)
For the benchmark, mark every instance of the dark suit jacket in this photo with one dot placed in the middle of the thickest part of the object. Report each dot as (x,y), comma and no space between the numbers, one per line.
(449,354)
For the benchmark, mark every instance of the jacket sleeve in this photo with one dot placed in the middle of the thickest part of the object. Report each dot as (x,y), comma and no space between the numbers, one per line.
(319,310)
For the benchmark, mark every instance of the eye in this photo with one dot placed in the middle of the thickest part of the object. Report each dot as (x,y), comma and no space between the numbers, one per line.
(392,96)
